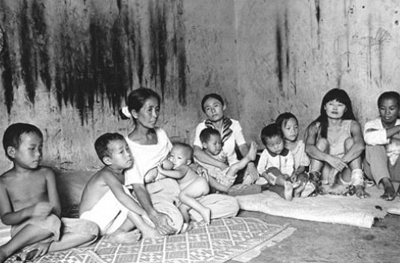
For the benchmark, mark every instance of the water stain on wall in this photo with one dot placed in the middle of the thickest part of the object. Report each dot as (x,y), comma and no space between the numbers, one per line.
(95,58)
(279,68)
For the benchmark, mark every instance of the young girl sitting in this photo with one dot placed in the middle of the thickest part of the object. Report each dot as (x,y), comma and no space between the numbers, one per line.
(290,130)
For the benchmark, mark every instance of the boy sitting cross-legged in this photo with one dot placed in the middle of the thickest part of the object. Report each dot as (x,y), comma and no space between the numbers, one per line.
(29,201)
(105,199)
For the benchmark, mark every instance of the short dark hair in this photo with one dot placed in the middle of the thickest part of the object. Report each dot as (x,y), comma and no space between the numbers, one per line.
(12,135)
(389,95)
(270,131)
(206,134)
(101,144)
(214,96)
(187,148)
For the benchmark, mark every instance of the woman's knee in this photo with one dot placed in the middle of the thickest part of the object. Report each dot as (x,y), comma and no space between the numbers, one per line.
(348,143)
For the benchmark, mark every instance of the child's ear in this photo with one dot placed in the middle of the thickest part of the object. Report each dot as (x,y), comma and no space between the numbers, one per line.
(204,145)
(11,151)
(188,162)
(107,160)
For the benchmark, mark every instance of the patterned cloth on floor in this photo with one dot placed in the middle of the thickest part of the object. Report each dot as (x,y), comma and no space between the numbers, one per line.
(220,241)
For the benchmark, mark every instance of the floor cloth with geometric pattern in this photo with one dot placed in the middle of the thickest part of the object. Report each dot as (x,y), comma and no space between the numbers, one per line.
(220,241)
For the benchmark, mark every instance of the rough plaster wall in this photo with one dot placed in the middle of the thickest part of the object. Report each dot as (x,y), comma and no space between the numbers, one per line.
(69,64)
(290,53)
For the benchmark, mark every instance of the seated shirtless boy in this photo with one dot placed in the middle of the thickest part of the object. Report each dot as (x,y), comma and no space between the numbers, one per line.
(29,201)
(212,145)
(105,199)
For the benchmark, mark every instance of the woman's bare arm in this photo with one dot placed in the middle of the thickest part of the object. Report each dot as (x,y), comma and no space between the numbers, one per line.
(358,147)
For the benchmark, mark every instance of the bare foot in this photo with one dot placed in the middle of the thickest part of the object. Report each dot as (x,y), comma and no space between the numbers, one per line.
(308,189)
(332,176)
(298,190)
(185,227)
(288,191)
(206,214)
(389,194)
(121,237)
(252,154)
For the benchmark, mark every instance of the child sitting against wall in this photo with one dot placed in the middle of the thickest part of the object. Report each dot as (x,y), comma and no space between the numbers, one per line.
(30,204)
(276,162)
(105,199)
(289,125)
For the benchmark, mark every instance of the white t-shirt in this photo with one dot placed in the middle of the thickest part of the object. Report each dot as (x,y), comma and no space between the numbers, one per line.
(146,157)
(285,164)
(236,138)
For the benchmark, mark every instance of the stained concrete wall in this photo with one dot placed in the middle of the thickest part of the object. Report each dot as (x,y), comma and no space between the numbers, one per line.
(67,66)
(291,52)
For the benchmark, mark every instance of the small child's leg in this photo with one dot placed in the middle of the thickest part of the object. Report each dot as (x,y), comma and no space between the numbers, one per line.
(197,189)
(146,230)
(288,190)
(251,156)
(185,213)
(278,189)
(30,234)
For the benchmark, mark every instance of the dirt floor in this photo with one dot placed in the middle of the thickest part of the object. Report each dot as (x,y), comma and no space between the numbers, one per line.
(322,242)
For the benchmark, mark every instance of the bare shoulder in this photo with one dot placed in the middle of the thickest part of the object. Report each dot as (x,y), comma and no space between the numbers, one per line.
(355,126)
(101,177)
(45,170)
(313,129)
(314,126)
(6,175)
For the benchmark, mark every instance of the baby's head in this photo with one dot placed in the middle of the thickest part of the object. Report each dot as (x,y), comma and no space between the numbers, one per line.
(272,138)
(289,125)
(112,149)
(180,154)
(211,141)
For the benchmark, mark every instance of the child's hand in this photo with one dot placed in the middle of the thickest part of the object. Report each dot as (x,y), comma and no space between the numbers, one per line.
(160,168)
(42,209)
(224,157)
(167,164)
(293,178)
